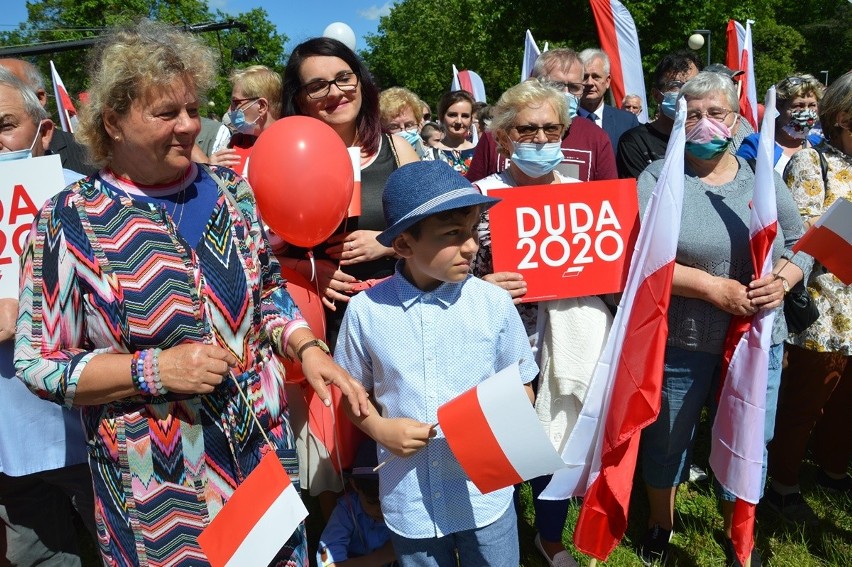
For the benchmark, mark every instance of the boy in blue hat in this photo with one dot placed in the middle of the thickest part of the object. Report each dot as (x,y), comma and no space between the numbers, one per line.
(419,339)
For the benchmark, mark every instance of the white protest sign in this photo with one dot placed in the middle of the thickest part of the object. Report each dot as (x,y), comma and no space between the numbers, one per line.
(25,185)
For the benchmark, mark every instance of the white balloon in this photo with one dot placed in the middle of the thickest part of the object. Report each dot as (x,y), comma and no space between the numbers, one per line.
(695,41)
(342,33)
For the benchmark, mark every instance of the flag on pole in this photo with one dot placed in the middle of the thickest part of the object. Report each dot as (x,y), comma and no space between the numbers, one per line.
(257,520)
(531,53)
(618,37)
(736,452)
(470,82)
(829,240)
(624,395)
(748,93)
(493,431)
(64,105)
(736,36)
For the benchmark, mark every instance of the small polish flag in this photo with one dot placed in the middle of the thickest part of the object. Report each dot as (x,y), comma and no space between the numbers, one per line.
(355,203)
(258,519)
(64,105)
(495,434)
(829,240)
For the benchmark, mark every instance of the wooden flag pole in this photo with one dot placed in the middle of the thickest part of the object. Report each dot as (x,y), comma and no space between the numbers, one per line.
(593,562)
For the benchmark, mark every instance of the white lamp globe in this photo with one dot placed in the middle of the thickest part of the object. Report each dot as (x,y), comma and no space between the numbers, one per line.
(695,41)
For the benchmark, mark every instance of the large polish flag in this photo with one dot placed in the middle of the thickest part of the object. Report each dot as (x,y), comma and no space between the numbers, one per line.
(468,81)
(493,431)
(531,53)
(736,452)
(258,519)
(744,62)
(735,35)
(829,240)
(67,112)
(617,33)
(624,395)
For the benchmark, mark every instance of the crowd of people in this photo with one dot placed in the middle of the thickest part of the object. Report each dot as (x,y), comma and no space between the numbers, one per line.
(143,361)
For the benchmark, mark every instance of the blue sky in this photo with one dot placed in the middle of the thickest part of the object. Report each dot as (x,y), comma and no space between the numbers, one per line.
(294,18)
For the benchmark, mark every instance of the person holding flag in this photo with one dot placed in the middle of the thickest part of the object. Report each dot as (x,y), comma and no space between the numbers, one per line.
(712,282)
(817,391)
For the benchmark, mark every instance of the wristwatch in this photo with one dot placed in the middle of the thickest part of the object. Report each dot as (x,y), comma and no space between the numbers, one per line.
(314,343)
(784,283)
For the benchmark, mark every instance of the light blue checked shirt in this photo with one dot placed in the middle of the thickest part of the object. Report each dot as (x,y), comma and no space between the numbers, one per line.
(414,351)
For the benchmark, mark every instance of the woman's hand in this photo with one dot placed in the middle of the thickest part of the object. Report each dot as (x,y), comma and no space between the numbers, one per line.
(8,319)
(731,296)
(356,247)
(226,157)
(194,368)
(339,286)
(766,292)
(320,371)
(512,282)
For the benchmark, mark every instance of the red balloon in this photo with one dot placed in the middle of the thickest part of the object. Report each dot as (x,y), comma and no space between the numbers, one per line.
(302,178)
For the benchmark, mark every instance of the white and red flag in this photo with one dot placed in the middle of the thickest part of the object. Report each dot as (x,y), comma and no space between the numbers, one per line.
(740,57)
(618,37)
(735,34)
(257,520)
(493,431)
(829,240)
(624,395)
(470,82)
(64,105)
(736,452)
(531,53)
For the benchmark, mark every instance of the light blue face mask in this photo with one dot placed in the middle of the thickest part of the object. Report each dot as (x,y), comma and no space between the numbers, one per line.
(573,104)
(669,105)
(411,136)
(239,124)
(536,160)
(21,154)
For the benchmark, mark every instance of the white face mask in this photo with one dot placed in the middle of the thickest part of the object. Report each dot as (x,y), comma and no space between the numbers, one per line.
(21,154)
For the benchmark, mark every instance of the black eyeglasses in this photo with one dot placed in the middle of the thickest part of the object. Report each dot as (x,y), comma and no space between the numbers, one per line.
(673,86)
(528,132)
(572,88)
(345,82)
(238,102)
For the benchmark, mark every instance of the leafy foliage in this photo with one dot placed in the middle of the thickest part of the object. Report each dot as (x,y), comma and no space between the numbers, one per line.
(62,20)
(417,44)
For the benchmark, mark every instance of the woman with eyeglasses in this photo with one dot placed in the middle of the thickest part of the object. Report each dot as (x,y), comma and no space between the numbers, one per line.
(401,115)
(527,124)
(326,80)
(713,281)
(816,393)
(797,102)
(455,111)
(255,105)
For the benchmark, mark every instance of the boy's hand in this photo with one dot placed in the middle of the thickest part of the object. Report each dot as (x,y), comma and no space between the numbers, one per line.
(403,436)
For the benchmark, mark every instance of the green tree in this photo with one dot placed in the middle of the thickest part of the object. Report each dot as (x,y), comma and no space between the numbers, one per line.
(64,20)
(419,41)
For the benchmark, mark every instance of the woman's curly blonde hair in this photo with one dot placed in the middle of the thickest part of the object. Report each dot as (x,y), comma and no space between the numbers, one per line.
(127,65)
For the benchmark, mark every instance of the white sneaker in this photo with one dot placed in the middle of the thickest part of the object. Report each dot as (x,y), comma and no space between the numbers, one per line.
(561,559)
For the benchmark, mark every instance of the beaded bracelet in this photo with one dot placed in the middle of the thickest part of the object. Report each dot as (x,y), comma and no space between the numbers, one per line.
(145,372)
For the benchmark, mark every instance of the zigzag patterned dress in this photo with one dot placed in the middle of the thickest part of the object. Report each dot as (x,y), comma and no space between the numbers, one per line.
(102,273)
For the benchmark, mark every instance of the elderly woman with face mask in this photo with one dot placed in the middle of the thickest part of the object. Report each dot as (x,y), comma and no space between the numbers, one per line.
(528,123)
(713,281)
(797,102)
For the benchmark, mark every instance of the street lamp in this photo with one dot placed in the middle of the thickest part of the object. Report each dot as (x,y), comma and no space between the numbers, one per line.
(825,74)
(696,41)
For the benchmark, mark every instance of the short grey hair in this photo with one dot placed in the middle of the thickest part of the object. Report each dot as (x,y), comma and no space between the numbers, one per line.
(32,106)
(590,54)
(561,58)
(531,92)
(708,82)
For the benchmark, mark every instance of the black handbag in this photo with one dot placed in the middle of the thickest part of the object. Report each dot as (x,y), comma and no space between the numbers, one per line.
(800,310)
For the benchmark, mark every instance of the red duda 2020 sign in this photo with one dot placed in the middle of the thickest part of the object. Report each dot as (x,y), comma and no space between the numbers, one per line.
(567,240)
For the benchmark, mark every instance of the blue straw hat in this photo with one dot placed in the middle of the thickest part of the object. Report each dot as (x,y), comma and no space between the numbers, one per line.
(421,189)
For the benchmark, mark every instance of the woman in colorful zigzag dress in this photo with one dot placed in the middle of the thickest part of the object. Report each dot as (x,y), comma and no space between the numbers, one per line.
(147,294)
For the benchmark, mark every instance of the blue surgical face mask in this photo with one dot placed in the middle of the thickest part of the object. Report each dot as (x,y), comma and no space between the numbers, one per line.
(536,160)
(669,105)
(411,136)
(239,124)
(573,104)
(21,154)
